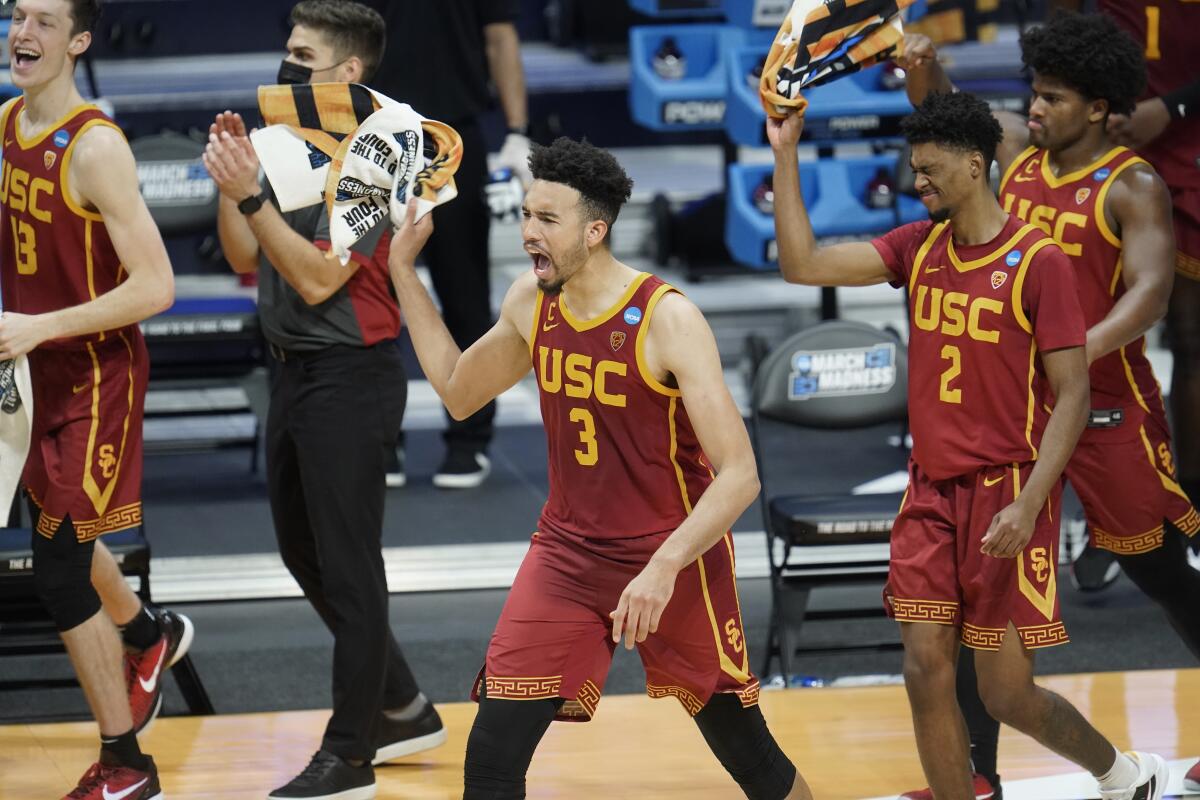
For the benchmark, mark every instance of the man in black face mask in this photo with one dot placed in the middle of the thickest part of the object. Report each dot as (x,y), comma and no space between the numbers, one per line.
(337,399)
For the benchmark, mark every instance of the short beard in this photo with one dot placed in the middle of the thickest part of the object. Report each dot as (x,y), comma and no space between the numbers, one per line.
(551,288)
(941,215)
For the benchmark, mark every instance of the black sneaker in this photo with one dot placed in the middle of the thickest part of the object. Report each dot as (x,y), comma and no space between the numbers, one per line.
(396,476)
(1094,569)
(329,777)
(398,739)
(462,469)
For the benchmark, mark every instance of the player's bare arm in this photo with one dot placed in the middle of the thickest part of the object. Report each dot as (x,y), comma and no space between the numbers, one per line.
(465,381)
(681,350)
(233,165)
(800,259)
(103,179)
(238,244)
(1138,209)
(1067,372)
(924,75)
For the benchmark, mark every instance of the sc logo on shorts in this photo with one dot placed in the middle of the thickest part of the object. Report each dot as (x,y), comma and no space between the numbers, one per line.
(107,461)
(733,635)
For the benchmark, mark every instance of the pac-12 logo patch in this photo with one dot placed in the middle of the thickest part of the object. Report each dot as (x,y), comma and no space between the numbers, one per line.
(1101,174)
(61,138)
(1082,195)
(1013,258)
(998,278)
(48,158)
(616,339)
(633,315)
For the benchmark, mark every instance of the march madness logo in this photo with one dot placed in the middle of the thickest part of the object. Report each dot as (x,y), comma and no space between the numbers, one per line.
(846,371)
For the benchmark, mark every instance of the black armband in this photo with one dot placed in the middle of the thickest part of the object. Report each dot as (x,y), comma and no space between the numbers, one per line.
(1184,101)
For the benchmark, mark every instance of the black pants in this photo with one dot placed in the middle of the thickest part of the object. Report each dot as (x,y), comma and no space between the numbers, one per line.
(457,256)
(332,423)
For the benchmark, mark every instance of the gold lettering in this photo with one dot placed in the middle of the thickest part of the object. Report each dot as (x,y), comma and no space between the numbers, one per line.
(1060,231)
(978,306)
(579,378)
(1023,208)
(928,321)
(952,308)
(551,379)
(39,186)
(1041,219)
(603,370)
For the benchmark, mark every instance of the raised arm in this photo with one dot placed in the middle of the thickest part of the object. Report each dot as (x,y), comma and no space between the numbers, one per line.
(465,381)
(924,75)
(1140,205)
(237,240)
(102,179)
(800,259)
(681,344)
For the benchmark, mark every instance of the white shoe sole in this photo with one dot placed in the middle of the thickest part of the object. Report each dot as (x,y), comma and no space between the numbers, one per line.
(1191,787)
(145,730)
(409,747)
(1162,773)
(185,641)
(361,793)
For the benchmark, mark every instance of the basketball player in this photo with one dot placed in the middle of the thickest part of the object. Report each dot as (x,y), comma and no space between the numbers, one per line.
(1111,214)
(649,466)
(82,262)
(996,334)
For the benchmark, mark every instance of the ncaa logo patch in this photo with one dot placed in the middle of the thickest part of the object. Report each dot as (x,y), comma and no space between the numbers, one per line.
(998,278)
(48,158)
(1013,258)
(1101,174)
(633,315)
(1082,195)
(61,138)
(616,339)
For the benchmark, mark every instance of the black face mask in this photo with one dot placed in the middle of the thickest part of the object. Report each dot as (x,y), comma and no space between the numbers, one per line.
(292,73)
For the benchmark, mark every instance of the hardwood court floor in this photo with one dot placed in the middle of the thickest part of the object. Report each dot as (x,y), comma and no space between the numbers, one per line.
(849,743)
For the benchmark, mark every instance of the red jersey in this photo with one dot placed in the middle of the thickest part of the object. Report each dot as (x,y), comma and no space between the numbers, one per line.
(1071,209)
(624,460)
(978,318)
(53,253)
(1167,29)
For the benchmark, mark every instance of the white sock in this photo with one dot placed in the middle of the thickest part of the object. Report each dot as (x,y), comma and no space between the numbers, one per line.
(1121,775)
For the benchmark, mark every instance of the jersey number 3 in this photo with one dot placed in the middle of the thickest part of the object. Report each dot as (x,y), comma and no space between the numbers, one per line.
(589,455)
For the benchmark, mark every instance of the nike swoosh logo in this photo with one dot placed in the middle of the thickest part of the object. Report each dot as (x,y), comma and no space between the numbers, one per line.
(1026,179)
(933,269)
(992,481)
(79,388)
(148,685)
(546,327)
(121,795)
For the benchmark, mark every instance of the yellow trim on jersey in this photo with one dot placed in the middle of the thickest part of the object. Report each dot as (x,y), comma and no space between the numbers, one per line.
(5,111)
(1055,182)
(687,501)
(595,322)
(1018,287)
(640,345)
(1042,602)
(101,497)
(1137,392)
(742,673)
(1021,158)
(919,261)
(537,317)
(64,169)
(1102,195)
(1112,287)
(983,261)
(53,127)
(1030,408)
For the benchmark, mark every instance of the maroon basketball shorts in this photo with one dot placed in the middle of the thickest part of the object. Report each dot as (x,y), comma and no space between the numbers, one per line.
(554,637)
(1125,478)
(85,453)
(939,575)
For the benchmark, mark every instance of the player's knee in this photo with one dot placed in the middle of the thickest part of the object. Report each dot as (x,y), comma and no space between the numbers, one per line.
(501,745)
(741,741)
(926,667)
(62,574)
(1005,700)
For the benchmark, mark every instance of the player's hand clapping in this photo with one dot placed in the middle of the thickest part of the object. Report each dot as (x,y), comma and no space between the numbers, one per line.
(409,239)
(1010,531)
(641,606)
(231,161)
(229,122)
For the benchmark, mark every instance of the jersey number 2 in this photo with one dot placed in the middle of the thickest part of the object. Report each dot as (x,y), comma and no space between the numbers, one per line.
(588,456)
(945,393)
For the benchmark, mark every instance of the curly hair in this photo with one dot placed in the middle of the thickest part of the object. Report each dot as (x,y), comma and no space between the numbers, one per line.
(1090,54)
(352,28)
(594,173)
(957,119)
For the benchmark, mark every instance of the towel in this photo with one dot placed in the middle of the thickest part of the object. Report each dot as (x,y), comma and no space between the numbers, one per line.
(360,152)
(821,40)
(16,424)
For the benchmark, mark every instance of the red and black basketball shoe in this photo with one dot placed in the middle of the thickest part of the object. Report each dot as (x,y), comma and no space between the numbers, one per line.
(144,669)
(983,791)
(107,782)
(1191,781)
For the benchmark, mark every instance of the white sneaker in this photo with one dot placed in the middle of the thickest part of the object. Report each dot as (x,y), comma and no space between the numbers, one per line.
(462,469)
(1151,780)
